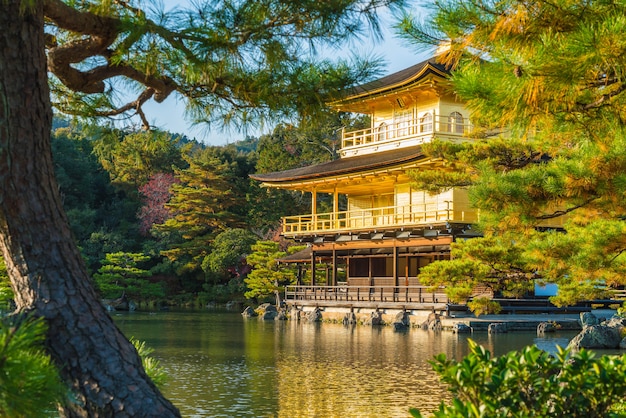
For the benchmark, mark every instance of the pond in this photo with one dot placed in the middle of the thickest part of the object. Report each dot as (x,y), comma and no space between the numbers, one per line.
(223,365)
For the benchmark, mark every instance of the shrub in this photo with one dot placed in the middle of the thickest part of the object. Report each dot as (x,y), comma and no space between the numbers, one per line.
(532,382)
(30,385)
(151,365)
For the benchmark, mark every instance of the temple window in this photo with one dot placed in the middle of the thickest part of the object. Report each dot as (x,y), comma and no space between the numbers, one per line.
(426,122)
(455,123)
(403,122)
(382,131)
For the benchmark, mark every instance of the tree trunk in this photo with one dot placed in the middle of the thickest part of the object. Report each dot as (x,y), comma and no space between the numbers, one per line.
(46,269)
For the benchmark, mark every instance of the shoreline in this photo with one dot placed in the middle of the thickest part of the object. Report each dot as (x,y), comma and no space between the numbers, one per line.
(419,318)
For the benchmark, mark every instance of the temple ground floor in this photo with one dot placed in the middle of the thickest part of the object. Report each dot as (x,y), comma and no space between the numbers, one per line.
(379,272)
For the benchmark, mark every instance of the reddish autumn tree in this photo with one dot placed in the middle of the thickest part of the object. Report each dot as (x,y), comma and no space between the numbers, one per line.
(155,194)
(227,58)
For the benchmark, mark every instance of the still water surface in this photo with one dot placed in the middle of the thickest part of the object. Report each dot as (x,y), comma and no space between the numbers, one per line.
(222,365)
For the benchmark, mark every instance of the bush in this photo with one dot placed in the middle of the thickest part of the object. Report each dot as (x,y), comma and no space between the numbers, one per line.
(30,385)
(152,367)
(532,382)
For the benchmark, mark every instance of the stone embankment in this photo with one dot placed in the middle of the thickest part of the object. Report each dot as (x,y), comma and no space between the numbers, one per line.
(602,329)
(590,324)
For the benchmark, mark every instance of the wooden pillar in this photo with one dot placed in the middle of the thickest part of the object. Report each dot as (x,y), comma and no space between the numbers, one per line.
(335,209)
(369,273)
(334,267)
(312,268)
(395,265)
(406,271)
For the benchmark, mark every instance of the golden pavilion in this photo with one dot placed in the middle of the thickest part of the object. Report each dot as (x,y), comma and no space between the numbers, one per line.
(381,230)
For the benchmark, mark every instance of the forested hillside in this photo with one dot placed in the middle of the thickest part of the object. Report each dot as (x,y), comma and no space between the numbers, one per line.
(165,219)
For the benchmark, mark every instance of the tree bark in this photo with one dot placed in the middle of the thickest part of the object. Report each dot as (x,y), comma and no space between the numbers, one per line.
(46,269)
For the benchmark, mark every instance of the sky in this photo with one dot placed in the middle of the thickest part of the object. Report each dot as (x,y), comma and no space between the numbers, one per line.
(169,115)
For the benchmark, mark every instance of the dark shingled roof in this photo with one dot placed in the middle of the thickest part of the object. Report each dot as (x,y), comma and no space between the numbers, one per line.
(348,165)
(301,256)
(398,78)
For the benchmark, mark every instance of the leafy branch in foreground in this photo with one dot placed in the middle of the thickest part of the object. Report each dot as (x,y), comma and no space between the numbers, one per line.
(153,368)
(531,383)
(30,382)
(546,81)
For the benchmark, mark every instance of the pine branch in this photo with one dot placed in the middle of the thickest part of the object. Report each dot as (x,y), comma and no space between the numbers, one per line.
(558,213)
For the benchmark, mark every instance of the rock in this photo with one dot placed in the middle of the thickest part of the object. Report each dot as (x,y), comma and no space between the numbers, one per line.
(459,328)
(497,328)
(248,312)
(231,304)
(403,318)
(545,327)
(376,318)
(596,336)
(399,326)
(266,307)
(588,319)
(120,304)
(616,322)
(267,311)
(268,315)
(433,322)
(294,314)
(281,316)
(314,316)
(401,322)
(622,344)
(349,319)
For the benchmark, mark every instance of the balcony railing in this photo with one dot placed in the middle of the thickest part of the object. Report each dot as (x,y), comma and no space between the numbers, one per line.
(419,129)
(406,294)
(383,217)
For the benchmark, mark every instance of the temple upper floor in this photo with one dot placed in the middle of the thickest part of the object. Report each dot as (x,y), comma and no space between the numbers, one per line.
(407,108)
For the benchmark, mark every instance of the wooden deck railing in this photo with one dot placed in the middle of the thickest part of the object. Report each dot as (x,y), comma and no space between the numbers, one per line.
(389,216)
(414,294)
(417,128)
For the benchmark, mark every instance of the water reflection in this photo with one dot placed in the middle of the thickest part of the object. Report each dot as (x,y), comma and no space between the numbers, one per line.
(221,365)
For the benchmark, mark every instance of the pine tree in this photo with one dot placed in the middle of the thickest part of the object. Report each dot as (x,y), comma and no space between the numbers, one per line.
(545,84)
(203,204)
(232,61)
(121,275)
(266,278)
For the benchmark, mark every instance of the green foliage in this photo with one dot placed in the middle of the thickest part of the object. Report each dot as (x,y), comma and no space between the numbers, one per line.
(532,383)
(132,158)
(544,84)
(120,274)
(232,62)
(102,218)
(266,277)
(228,253)
(494,262)
(153,369)
(29,381)
(483,306)
(204,203)
(6,293)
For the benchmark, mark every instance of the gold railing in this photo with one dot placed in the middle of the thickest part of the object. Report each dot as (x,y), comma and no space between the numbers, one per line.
(416,128)
(390,216)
